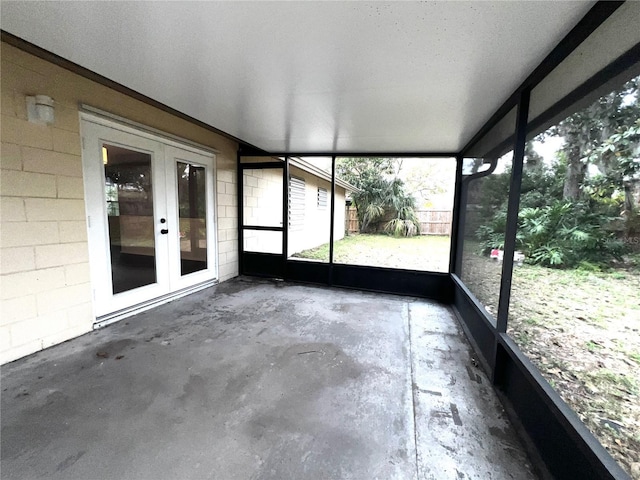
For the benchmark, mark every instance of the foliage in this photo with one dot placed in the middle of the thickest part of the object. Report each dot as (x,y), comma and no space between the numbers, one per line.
(381,199)
(602,135)
(568,208)
(492,233)
(562,234)
(430,181)
(618,184)
(540,185)
(551,232)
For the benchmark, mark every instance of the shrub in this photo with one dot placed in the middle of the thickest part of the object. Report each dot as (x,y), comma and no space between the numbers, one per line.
(563,234)
(381,200)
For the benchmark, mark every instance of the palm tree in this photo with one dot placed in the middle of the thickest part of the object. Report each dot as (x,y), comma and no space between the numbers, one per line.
(381,200)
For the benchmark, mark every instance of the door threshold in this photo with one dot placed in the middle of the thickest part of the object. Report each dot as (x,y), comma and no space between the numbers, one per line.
(110,318)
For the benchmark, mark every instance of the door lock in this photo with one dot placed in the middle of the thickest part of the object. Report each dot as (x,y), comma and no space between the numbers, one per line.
(164,231)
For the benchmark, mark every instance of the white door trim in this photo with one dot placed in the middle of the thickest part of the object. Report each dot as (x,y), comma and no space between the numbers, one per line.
(112,120)
(173,155)
(110,307)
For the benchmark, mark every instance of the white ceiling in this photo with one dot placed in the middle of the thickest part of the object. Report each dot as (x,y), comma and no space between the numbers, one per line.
(304,76)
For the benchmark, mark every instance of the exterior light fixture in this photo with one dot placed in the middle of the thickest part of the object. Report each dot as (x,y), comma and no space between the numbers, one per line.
(105,155)
(40,110)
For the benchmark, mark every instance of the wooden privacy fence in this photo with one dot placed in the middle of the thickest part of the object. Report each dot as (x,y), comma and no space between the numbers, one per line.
(352,220)
(435,222)
(432,222)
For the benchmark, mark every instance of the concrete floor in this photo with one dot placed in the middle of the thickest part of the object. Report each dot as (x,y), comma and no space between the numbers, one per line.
(256,379)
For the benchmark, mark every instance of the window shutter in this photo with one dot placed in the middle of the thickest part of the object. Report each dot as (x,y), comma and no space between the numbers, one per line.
(322,198)
(296,203)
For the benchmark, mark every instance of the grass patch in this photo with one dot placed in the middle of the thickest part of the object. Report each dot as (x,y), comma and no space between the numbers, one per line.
(593,346)
(581,328)
(606,380)
(423,252)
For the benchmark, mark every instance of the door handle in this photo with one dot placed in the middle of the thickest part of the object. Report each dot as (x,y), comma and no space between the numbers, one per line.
(164,231)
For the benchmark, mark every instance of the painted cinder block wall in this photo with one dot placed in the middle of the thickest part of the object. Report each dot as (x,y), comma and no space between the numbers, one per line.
(45,292)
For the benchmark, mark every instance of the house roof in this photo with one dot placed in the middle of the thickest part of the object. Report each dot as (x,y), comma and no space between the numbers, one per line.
(311,76)
(318,172)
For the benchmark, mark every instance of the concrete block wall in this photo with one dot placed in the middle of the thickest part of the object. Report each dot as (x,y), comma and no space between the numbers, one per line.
(45,290)
(227,200)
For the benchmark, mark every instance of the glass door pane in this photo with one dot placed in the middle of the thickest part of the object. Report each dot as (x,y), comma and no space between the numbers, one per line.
(192,214)
(129,200)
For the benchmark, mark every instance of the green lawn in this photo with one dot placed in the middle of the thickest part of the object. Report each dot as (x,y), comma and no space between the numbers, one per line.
(424,252)
(581,329)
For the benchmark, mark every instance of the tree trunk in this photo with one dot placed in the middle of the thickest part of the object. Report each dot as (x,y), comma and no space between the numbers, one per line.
(629,200)
(574,178)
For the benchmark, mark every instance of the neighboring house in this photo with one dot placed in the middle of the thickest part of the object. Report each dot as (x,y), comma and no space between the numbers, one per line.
(310,230)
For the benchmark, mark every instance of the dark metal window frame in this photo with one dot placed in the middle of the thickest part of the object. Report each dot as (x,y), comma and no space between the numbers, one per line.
(270,267)
(557,439)
(412,282)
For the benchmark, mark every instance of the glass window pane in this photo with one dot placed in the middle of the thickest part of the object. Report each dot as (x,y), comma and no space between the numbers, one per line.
(484,234)
(262,197)
(575,300)
(309,209)
(129,198)
(192,215)
(394,212)
(262,241)
(484,212)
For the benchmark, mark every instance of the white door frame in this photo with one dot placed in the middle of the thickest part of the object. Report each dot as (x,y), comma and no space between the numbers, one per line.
(172,156)
(165,153)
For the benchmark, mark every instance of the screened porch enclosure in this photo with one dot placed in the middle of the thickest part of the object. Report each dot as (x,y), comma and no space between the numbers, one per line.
(497,163)
(533,138)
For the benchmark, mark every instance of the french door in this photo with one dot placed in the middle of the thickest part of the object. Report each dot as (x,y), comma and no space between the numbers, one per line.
(150,216)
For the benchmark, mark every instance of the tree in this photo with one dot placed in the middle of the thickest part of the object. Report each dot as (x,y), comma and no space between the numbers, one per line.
(381,201)
(623,170)
(587,130)
(532,160)
(570,209)
(429,180)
